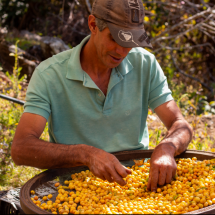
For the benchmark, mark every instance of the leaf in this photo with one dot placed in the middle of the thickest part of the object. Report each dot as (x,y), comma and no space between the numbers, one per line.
(204,188)
(19,69)
(20,87)
(139,162)
(190,103)
(201,189)
(183,96)
(175,197)
(212,103)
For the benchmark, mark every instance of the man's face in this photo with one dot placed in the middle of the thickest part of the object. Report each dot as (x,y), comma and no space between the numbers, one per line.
(109,52)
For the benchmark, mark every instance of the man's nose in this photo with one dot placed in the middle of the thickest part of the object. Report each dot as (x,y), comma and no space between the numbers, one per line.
(122,51)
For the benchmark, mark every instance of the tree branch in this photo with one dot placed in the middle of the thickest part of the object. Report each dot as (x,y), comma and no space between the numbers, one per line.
(189,47)
(205,32)
(63,10)
(182,23)
(182,33)
(189,76)
(197,6)
(165,3)
(73,29)
(209,27)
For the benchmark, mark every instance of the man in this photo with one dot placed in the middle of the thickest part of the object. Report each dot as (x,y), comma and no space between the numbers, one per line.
(96,97)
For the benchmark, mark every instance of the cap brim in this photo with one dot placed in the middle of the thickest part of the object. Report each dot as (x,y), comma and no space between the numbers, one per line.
(129,38)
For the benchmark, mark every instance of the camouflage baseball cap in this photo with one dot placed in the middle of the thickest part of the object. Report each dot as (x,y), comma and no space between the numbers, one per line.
(125,21)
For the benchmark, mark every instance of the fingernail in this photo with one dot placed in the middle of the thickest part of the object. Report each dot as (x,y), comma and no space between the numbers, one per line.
(154,190)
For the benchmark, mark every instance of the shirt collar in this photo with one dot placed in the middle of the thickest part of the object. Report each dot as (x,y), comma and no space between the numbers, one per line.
(75,71)
(125,66)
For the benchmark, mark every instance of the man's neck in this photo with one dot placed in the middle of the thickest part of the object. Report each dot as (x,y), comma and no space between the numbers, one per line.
(91,62)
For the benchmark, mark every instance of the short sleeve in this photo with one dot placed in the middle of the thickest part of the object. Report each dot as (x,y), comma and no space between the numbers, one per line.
(37,99)
(159,90)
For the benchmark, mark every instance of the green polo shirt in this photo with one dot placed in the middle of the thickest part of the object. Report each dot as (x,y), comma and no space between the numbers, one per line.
(78,112)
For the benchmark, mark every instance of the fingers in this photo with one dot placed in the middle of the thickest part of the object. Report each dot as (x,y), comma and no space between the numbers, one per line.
(174,171)
(128,171)
(98,174)
(112,176)
(153,180)
(118,173)
(169,175)
(120,169)
(107,167)
(162,176)
(102,174)
(108,177)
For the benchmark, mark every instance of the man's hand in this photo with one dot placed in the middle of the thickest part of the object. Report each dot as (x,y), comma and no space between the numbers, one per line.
(106,166)
(162,166)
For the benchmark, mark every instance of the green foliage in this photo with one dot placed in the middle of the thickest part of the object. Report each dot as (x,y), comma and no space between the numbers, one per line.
(192,102)
(24,44)
(16,73)
(9,118)
(10,114)
(10,174)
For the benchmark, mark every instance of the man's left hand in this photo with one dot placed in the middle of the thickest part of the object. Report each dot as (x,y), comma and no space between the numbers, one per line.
(162,166)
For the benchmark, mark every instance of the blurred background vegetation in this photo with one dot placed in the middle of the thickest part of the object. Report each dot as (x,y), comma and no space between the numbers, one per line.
(183,38)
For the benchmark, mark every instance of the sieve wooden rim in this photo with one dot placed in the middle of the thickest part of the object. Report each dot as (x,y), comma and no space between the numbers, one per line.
(30,208)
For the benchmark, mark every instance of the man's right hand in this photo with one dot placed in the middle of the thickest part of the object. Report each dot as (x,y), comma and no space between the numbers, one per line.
(106,166)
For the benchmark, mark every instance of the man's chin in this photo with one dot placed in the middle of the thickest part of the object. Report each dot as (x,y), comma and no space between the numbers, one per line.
(113,64)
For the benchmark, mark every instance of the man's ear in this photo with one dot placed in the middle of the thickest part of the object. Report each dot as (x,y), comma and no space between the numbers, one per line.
(92,24)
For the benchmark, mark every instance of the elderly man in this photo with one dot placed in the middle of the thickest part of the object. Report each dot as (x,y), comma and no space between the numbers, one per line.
(95,98)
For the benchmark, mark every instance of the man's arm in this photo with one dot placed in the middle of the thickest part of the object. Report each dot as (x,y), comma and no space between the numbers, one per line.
(162,165)
(28,149)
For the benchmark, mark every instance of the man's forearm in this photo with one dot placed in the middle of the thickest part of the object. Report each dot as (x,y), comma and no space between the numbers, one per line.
(178,136)
(32,151)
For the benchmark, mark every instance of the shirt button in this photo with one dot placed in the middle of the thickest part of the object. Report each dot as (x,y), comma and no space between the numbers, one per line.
(100,94)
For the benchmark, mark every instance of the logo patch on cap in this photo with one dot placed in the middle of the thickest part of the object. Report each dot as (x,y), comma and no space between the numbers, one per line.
(134,4)
(145,37)
(126,36)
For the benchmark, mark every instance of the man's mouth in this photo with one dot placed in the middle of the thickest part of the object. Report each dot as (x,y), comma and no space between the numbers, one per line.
(116,59)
